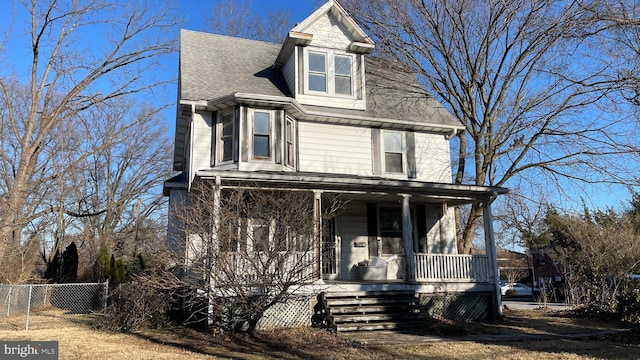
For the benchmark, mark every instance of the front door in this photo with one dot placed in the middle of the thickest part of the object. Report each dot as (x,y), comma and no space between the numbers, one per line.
(391,242)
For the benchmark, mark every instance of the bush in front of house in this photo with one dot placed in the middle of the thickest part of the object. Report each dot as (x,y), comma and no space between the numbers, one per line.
(146,301)
(628,299)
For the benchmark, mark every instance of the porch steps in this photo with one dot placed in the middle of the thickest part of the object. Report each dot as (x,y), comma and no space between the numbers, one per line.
(371,310)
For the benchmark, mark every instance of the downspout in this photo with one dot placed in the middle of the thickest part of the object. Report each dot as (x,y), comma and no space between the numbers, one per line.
(490,244)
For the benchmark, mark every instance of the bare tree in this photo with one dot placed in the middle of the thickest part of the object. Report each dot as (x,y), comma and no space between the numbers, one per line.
(235,18)
(250,249)
(69,81)
(529,80)
(124,179)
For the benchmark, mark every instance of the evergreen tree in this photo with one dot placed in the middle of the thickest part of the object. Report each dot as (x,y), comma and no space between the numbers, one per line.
(69,267)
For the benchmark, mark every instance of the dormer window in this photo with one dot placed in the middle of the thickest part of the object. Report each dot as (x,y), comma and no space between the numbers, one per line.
(344,75)
(318,72)
(329,72)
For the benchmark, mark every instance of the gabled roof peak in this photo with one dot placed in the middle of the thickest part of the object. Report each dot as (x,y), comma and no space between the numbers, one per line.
(300,35)
(340,14)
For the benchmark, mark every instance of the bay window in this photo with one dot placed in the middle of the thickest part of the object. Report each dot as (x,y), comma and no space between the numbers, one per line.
(262,138)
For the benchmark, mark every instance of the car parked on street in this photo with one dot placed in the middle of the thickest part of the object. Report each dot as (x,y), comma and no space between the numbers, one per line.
(516,289)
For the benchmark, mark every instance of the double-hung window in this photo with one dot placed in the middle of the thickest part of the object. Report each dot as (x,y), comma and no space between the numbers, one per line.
(329,73)
(290,143)
(343,75)
(262,134)
(394,152)
(318,71)
(226,131)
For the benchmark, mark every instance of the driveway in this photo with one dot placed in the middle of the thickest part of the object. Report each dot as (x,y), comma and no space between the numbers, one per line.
(527,303)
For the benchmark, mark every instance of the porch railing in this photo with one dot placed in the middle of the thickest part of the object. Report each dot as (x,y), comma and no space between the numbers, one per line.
(451,268)
(248,269)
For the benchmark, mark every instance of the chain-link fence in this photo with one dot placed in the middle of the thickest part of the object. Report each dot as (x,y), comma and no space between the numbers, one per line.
(24,307)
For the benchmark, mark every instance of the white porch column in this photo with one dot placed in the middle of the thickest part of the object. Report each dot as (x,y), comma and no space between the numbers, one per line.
(490,245)
(407,237)
(317,218)
(213,248)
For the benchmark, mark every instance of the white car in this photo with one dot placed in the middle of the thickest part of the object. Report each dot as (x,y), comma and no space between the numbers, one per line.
(516,289)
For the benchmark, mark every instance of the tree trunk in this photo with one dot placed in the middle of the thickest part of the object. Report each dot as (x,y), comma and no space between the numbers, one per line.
(468,232)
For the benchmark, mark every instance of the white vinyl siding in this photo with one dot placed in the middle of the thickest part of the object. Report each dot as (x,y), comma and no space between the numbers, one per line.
(448,232)
(289,72)
(201,141)
(327,32)
(432,158)
(334,149)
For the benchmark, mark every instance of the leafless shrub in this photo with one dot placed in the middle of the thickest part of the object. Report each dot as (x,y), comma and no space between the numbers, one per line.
(248,249)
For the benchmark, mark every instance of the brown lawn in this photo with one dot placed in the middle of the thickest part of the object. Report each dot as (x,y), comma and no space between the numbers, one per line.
(78,340)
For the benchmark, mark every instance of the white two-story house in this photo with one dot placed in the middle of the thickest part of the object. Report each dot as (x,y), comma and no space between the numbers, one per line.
(318,113)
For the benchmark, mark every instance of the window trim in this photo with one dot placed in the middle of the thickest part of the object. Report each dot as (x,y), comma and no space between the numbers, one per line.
(403,152)
(330,72)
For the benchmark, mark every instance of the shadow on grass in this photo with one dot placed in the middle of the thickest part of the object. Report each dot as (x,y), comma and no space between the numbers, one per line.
(292,343)
(520,334)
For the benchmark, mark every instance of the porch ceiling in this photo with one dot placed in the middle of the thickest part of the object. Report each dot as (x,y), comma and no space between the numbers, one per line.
(360,187)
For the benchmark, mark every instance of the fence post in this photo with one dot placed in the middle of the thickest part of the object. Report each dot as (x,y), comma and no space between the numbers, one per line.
(28,307)
(9,303)
(106,294)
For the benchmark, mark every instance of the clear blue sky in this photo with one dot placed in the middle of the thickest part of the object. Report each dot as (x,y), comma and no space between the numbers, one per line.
(196,11)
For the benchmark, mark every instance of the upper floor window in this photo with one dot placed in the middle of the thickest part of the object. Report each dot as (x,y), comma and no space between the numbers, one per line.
(226,137)
(343,82)
(394,152)
(330,73)
(262,137)
(318,72)
(289,154)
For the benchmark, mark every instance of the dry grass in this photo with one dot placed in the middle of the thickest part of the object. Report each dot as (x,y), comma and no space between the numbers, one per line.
(77,340)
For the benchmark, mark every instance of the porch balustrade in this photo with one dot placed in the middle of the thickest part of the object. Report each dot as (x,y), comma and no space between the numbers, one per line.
(452,268)
(248,269)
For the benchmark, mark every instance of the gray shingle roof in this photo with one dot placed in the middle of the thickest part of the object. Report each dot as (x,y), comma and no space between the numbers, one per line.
(213,66)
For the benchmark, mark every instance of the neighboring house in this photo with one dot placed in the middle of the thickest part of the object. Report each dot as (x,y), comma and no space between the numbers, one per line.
(514,267)
(548,267)
(318,113)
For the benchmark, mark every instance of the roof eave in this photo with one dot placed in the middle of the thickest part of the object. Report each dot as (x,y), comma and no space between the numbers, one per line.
(454,193)
(300,112)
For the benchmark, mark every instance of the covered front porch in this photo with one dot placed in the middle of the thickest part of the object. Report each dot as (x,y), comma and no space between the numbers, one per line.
(408,226)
